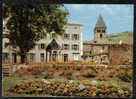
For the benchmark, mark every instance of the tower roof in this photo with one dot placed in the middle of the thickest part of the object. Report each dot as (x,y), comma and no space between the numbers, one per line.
(100,22)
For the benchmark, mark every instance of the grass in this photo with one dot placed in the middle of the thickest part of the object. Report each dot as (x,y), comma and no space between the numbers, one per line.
(9,82)
(115,38)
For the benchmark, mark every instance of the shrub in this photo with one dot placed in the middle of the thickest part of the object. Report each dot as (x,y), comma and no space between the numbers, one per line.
(89,73)
(124,75)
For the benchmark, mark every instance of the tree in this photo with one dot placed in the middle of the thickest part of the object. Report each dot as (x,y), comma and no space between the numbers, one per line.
(28,23)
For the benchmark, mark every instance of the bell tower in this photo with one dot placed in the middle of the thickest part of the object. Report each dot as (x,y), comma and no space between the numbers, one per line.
(100,30)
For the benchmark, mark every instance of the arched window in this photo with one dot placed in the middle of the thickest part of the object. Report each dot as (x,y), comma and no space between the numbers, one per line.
(100,35)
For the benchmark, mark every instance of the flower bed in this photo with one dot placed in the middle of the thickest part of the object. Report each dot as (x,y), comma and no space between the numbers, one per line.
(122,73)
(63,87)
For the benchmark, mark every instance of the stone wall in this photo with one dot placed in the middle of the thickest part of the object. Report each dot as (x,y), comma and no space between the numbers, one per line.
(120,54)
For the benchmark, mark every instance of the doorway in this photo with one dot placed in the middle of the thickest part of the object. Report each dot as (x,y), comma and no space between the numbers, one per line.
(14,56)
(65,57)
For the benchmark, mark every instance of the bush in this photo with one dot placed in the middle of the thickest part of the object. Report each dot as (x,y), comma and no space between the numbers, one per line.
(89,73)
(124,75)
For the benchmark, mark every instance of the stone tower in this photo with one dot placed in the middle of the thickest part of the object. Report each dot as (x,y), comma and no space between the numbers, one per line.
(100,30)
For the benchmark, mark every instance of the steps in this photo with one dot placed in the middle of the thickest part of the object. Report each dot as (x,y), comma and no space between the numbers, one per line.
(6,71)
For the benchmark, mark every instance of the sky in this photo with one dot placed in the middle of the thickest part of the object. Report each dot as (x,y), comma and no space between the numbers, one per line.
(117,17)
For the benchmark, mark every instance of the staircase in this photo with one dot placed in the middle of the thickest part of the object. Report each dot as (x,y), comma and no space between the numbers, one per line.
(6,70)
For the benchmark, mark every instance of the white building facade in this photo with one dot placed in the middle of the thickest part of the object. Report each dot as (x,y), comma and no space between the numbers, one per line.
(53,47)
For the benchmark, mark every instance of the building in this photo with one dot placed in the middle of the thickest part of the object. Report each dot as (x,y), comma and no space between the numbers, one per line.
(97,49)
(70,47)
(101,50)
(53,47)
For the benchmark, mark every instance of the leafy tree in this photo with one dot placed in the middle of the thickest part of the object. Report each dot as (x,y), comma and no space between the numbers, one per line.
(28,23)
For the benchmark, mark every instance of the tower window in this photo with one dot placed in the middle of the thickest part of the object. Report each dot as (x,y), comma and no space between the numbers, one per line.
(100,35)
(103,31)
(98,31)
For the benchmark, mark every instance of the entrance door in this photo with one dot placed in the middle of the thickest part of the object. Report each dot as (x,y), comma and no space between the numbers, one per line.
(42,57)
(54,56)
(14,56)
(65,57)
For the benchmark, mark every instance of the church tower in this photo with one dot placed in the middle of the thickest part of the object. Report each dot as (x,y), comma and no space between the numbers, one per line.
(100,30)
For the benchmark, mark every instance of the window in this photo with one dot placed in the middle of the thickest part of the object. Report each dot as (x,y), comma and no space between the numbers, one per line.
(75,37)
(65,57)
(42,57)
(95,41)
(98,31)
(76,56)
(100,35)
(75,47)
(103,58)
(103,31)
(13,46)
(42,46)
(53,35)
(75,27)
(5,57)
(103,48)
(6,45)
(32,56)
(66,46)
(66,36)
(5,35)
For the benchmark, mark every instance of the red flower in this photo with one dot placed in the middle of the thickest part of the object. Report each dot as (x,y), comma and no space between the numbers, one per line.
(105,85)
(93,88)
(106,91)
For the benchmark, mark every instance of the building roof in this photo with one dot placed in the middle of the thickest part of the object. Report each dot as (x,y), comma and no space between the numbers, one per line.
(53,45)
(127,42)
(95,54)
(74,24)
(100,22)
(94,43)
